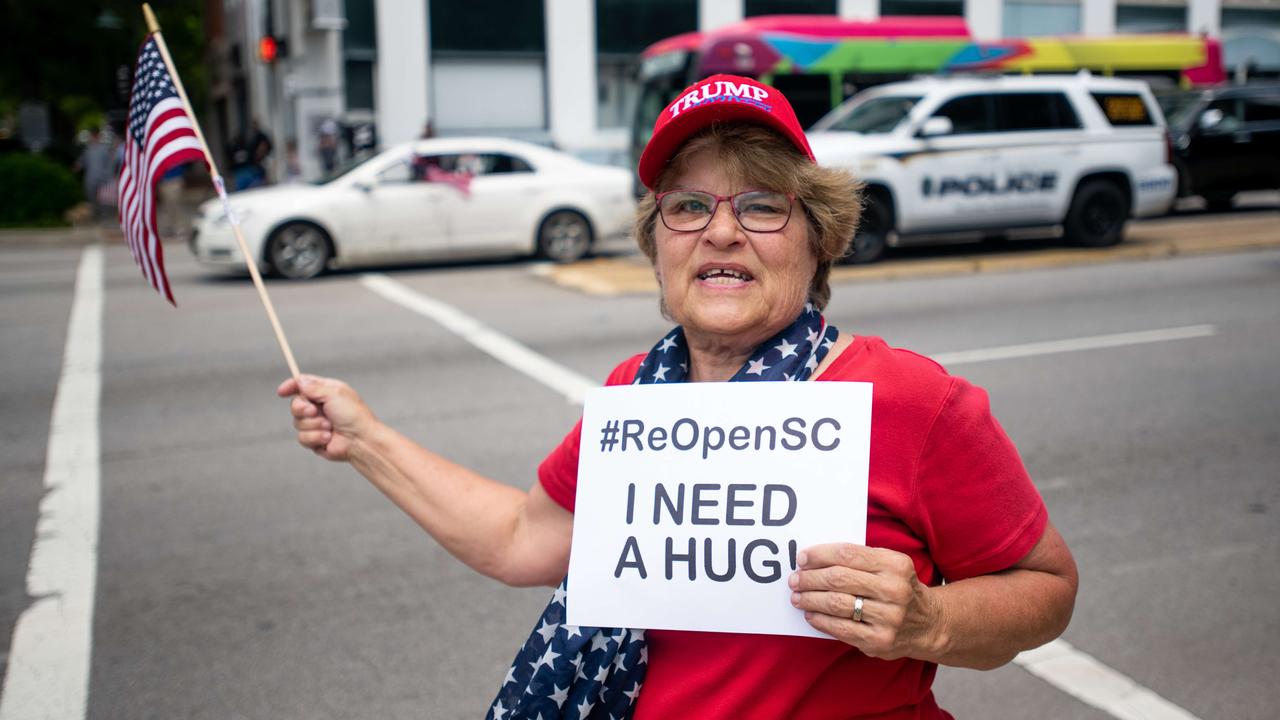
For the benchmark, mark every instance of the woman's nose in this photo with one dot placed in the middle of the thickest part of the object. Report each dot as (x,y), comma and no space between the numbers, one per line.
(723,230)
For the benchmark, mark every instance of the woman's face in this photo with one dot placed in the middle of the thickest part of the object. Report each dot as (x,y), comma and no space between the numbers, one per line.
(768,275)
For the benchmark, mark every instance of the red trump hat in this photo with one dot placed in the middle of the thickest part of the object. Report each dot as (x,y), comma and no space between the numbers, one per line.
(719,98)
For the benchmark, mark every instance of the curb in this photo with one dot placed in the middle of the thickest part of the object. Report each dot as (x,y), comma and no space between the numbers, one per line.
(1152,240)
(66,236)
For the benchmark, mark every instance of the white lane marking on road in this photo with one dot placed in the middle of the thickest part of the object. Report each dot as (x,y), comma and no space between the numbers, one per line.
(1087,680)
(48,673)
(1093,342)
(559,378)
(1057,663)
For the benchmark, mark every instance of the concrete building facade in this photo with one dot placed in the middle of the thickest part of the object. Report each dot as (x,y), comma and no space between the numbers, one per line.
(563,71)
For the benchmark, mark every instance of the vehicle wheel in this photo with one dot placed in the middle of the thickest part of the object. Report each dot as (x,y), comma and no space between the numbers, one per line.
(1219,202)
(299,250)
(564,236)
(1097,216)
(872,237)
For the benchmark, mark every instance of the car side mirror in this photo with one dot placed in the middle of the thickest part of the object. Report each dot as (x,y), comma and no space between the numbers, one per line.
(936,126)
(1209,119)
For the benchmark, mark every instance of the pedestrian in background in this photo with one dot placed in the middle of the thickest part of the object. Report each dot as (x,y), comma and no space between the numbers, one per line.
(96,162)
(292,166)
(249,153)
(961,564)
(172,220)
(328,146)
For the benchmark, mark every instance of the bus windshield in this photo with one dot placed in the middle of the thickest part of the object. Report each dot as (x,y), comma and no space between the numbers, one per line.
(876,116)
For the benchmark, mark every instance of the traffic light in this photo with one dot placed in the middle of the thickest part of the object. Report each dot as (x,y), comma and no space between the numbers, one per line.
(271,48)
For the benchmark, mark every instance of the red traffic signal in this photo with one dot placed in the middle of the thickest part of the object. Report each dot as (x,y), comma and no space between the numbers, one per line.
(268,49)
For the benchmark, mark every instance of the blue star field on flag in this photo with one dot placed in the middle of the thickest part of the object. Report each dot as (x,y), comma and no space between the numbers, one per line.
(582,673)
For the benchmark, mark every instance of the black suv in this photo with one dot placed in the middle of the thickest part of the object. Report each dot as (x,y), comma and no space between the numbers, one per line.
(1226,140)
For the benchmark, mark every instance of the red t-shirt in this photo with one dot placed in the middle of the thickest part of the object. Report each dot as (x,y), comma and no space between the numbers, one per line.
(946,487)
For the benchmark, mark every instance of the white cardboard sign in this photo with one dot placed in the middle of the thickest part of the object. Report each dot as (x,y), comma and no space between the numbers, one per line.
(694,498)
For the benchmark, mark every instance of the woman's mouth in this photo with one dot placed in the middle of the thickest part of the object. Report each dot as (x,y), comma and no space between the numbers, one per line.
(724,276)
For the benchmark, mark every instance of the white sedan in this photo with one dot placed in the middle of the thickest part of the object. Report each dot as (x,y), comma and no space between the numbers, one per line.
(442,198)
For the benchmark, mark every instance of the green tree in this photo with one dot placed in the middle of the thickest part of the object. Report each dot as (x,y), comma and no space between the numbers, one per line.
(69,55)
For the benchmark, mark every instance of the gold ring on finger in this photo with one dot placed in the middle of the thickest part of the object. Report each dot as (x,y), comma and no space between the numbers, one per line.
(857,608)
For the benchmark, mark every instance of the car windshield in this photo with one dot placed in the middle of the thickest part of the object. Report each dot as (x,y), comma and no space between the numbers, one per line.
(1177,107)
(871,117)
(345,168)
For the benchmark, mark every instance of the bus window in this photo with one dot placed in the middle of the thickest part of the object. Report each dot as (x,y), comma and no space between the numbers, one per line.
(661,80)
(810,95)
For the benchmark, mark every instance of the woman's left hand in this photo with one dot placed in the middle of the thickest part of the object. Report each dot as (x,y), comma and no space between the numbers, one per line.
(900,617)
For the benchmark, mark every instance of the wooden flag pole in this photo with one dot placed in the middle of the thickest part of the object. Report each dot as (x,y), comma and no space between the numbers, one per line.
(154,28)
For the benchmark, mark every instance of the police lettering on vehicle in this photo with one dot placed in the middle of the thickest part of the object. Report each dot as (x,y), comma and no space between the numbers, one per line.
(971,185)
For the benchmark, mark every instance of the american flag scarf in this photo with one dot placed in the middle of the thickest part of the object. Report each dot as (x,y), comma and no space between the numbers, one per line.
(585,673)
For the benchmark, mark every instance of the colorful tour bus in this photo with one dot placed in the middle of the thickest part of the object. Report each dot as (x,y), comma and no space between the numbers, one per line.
(819,60)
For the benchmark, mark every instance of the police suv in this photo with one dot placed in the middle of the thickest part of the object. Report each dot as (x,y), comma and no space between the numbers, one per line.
(949,158)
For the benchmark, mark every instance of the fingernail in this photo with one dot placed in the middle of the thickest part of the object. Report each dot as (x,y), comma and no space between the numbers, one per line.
(794,580)
(795,598)
(802,558)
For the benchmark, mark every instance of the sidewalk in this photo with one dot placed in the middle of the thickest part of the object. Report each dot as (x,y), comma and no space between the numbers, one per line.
(1145,240)
(105,230)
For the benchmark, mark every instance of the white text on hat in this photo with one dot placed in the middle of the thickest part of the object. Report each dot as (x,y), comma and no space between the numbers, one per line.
(718,89)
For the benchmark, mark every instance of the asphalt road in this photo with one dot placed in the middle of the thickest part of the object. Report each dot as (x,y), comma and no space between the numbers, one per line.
(240,577)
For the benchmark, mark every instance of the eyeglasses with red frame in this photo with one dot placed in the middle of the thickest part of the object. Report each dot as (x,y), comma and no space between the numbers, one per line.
(756,210)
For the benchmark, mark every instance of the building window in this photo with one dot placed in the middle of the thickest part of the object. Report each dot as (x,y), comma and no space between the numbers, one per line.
(921,7)
(624,28)
(1029,19)
(362,31)
(358,84)
(513,100)
(359,53)
(488,26)
(1251,42)
(1150,19)
(789,7)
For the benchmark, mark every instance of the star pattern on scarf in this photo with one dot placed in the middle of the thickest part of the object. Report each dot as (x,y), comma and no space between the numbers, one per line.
(567,671)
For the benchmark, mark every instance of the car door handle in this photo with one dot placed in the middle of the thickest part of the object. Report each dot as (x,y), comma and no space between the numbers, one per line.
(1241,136)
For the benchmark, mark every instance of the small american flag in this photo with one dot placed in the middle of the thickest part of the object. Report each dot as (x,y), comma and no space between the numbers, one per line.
(160,136)
(461,181)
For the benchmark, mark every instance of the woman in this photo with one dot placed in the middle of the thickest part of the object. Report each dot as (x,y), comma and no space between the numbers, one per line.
(742,228)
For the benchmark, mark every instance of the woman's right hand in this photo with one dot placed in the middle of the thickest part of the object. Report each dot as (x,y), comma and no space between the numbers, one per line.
(328,415)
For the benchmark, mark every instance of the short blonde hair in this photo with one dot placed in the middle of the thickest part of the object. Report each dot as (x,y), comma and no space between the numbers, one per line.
(759,157)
